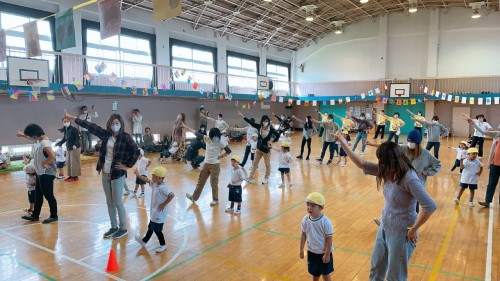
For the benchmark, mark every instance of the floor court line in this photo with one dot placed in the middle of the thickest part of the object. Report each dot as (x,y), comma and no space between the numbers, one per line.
(32,269)
(489,250)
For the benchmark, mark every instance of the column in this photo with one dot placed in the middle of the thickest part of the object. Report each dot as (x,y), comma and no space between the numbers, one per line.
(433,46)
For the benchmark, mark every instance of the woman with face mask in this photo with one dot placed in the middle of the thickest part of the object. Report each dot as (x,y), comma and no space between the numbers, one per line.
(118,152)
(363,127)
(434,133)
(266,135)
(73,148)
(307,130)
(478,137)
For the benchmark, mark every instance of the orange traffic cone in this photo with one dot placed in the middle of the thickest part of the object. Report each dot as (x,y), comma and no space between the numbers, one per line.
(112,263)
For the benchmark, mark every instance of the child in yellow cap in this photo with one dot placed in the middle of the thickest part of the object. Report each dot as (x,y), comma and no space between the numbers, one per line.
(472,168)
(284,164)
(317,230)
(160,197)
(235,190)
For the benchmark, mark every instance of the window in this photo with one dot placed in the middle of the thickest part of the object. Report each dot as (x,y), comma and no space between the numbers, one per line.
(120,47)
(279,74)
(245,70)
(186,57)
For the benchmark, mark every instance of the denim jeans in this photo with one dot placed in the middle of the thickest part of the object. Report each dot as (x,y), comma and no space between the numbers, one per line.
(113,189)
(391,257)
(436,146)
(362,135)
(248,148)
(492,183)
(86,141)
(331,146)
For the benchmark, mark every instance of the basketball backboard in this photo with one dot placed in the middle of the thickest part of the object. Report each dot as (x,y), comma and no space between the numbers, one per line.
(400,90)
(20,70)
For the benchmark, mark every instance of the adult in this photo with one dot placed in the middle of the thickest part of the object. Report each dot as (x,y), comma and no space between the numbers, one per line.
(73,150)
(330,128)
(435,131)
(266,135)
(4,160)
(215,150)
(192,153)
(395,126)
(137,126)
(380,125)
(398,233)
(363,127)
(117,153)
(203,117)
(307,130)
(178,135)
(493,161)
(45,167)
(148,140)
(284,123)
(249,130)
(478,137)
(219,123)
(86,137)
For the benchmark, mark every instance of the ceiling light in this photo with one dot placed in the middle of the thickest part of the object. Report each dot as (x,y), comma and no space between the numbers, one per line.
(309,17)
(476,14)
(309,9)
(338,31)
(268,1)
(476,9)
(363,1)
(413,8)
(339,24)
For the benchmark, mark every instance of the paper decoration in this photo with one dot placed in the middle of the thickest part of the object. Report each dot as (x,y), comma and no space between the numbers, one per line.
(88,77)
(249,105)
(437,93)
(236,103)
(100,67)
(405,102)
(384,86)
(432,92)
(65,30)
(450,97)
(78,85)
(471,100)
(314,103)
(66,92)
(113,77)
(421,87)
(14,93)
(123,84)
(221,97)
(377,91)
(134,90)
(443,96)
(324,103)
(363,96)
(497,100)
(163,86)
(273,97)
(347,99)
(290,102)
(426,90)
(488,101)
(457,99)
(33,96)
(413,101)
(419,100)
(306,103)
(50,95)
(341,101)
(399,102)
(480,101)
(145,92)
(281,99)
(110,17)
(384,100)
(391,101)
(31,39)
(244,106)
(425,98)
(464,100)
(177,74)
(166,9)
(195,86)
(3,46)
(378,99)
(298,102)
(332,102)
(189,79)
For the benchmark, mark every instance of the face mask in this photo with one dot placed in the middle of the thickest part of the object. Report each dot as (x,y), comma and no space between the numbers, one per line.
(202,129)
(329,120)
(265,123)
(411,145)
(85,112)
(215,139)
(116,128)
(362,118)
(419,114)
(434,121)
(396,116)
(66,124)
(220,118)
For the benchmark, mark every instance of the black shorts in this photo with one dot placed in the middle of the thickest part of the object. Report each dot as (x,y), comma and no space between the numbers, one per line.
(284,170)
(342,153)
(155,226)
(31,196)
(235,193)
(139,181)
(315,264)
(468,185)
(60,165)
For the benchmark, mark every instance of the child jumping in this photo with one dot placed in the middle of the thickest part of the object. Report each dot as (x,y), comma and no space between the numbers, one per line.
(342,152)
(142,166)
(284,164)
(60,160)
(461,154)
(471,170)
(29,169)
(158,213)
(317,229)
(234,185)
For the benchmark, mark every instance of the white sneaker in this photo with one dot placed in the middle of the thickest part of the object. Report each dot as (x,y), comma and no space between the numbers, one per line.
(344,165)
(265,181)
(161,248)
(126,193)
(281,185)
(134,194)
(237,212)
(213,203)
(60,177)
(139,240)
(229,210)
(471,204)
(190,197)
(140,195)
(361,153)
(457,201)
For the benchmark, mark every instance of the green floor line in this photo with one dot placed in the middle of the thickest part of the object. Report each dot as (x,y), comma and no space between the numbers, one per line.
(32,269)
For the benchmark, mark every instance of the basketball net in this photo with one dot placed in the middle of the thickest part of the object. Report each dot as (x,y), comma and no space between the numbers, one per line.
(34,84)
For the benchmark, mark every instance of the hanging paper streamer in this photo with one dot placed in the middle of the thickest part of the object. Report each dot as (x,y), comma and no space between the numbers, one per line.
(123,84)
(370,93)
(480,101)
(347,99)
(437,93)
(471,100)
(189,79)
(254,103)
(249,105)
(384,86)
(377,99)
(290,102)
(113,77)
(488,101)
(32,39)
(332,102)
(244,106)
(324,103)
(145,92)
(163,86)
(88,77)
(413,101)
(457,99)
(65,30)
(33,96)
(14,93)
(443,96)
(377,91)
(155,91)
(134,90)
(425,99)
(78,85)
(421,87)
(50,95)
(391,102)
(65,91)
(450,97)
(497,100)
(110,17)
(315,103)
(221,97)
(100,67)
(183,72)
(363,96)
(306,103)
(341,101)
(384,100)
(281,99)
(399,102)
(298,102)
(273,98)
(405,102)
(419,100)
(426,90)
(177,74)
(464,100)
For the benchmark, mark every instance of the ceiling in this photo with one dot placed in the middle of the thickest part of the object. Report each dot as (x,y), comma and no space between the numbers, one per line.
(281,23)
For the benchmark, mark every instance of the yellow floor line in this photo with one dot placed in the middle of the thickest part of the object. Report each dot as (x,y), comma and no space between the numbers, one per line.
(444,246)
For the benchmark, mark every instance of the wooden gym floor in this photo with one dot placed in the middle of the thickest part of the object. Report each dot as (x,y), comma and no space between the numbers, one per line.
(262,243)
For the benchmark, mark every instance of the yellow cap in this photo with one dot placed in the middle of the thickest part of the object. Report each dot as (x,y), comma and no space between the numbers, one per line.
(159,172)
(472,150)
(236,158)
(464,142)
(316,198)
(285,144)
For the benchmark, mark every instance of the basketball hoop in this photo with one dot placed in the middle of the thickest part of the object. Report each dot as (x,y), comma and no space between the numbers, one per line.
(34,84)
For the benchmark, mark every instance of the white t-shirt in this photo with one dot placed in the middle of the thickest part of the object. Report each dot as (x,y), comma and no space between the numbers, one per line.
(213,150)
(461,153)
(60,154)
(253,146)
(483,125)
(108,159)
(316,231)
(88,117)
(237,176)
(285,160)
(159,195)
(142,164)
(39,158)
(469,173)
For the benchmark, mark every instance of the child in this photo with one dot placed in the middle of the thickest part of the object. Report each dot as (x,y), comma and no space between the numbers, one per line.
(286,137)
(284,164)
(253,146)
(29,169)
(471,170)
(342,152)
(234,185)
(317,229)
(60,160)
(167,153)
(160,197)
(4,160)
(461,154)
(142,166)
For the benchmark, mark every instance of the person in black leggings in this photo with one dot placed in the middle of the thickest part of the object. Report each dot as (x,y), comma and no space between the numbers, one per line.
(307,130)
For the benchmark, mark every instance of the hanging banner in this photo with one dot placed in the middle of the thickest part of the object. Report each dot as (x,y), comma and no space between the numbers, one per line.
(488,101)
(315,103)
(14,93)
(65,30)
(363,96)
(497,100)
(50,95)
(32,40)
(298,102)
(413,101)
(33,96)
(332,102)
(480,101)
(166,9)
(347,99)
(471,100)
(281,99)
(450,97)
(3,46)
(110,17)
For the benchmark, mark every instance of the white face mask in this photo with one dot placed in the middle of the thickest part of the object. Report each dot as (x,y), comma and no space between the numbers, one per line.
(434,122)
(411,145)
(116,128)
(362,118)
(396,116)
(329,120)
(66,124)
(419,114)
(265,123)
(85,112)
(220,118)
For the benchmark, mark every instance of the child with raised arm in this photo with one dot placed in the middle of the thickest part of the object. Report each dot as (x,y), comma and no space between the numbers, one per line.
(142,166)
(234,185)
(160,197)
(472,168)
(317,230)
(461,154)
(284,163)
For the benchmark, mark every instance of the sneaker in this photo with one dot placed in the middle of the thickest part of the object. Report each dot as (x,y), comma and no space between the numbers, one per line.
(361,153)
(49,220)
(119,234)
(248,180)
(60,177)
(139,240)
(329,162)
(265,181)
(307,158)
(70,180)
(190,197)
(110,232)
(299,157)
(319,160)
(344,165)
(126,193)
(290,185)
(141,195)
(29,218)
(377,221)
(457,201)
(134,194)
(237,212)
(229,210)
(471,204)
(161,248)
(484,204)
(281,185)
(215,202)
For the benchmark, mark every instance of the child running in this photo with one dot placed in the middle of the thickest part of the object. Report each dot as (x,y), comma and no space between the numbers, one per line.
(342,152)
(284,164)
(472,168)
(160,197)
(317,229)
(234,185)
(142,166)
(461,154)
(29,169)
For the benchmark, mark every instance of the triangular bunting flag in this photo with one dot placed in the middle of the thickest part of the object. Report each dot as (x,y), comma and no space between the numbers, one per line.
(14,93)
(33,96)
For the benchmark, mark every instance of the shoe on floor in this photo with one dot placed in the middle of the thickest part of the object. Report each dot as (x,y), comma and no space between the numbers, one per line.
(237,212)
(484,204)
(126,193)
(190,197)
(134,194)
(229,210)
(281,185)
(28,211)
(471,204)
(110,232)
(161,248)
(344,165)
(139,240)
(329,162)
(299,157)
(119,234)
(140,195)
(319,160)
(377,221)
(49,220)
(215,202)
(29,218)
(265,181)
(457,201)
(307,158)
